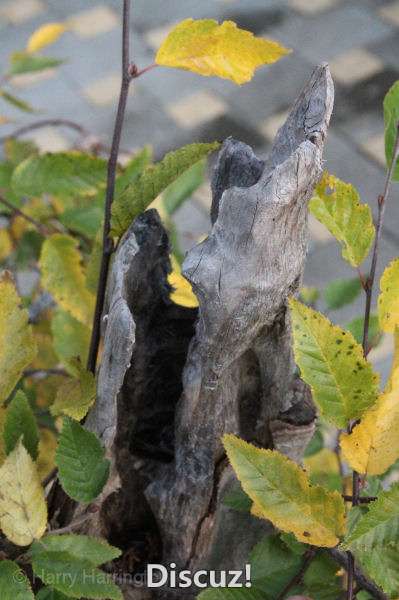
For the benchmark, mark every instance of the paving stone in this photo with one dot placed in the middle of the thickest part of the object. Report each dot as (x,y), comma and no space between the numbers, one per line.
(269,127)
(391,13)
(21,11)
(314,6)
(192,224)
(104,91)
(375,148)
(49,139)
(354,66)
(320,39)
(273,89)
(93,21)
(196,109)
(366,95)
(387,49)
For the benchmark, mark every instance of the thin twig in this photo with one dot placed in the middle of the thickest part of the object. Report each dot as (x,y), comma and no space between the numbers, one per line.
(44,372)
(71,526)
(112,164)
(135,72)
(380,220)
(361,579)
(361,499)
(297,578)
(45,123)
(42,229)
(368,286)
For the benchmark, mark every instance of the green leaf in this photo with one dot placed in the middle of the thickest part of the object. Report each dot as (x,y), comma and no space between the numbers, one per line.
(75,396)
(6,171)
(14,585)
(273,565)
(83,470)
(309,295)
(71,340)
(332,363)
(315,444)
(321,580)
(60,174)
(281,493)
(94,262)
(380,525)
(20,421)
(95,550)
(17,151)
(356,327)
(337,206)
(74,577)
(47,593)
(238,500)
(388,302)
(23,62)
(83,220)
(17,102)
(184,187)
(17,344)
(154,179)
(63,276)
(391,118)
(133,169)
(341,292)
(382,566)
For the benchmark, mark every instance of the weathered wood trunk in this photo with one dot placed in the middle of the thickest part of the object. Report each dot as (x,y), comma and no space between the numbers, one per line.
(173,380)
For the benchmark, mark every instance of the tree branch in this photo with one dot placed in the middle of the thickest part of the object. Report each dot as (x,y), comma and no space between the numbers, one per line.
(297,579)
(42,229)
(45,123)
(368,288)
(364,582)
(112,164)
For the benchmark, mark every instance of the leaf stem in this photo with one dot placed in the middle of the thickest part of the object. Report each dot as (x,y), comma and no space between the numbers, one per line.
(108,246)
(297,578)
(368,288)
(42,229)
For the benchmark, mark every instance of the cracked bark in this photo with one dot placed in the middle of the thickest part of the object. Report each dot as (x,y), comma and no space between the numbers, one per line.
(173,380)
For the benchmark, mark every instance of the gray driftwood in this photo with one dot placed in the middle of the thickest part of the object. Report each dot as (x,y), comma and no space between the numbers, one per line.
(173,380)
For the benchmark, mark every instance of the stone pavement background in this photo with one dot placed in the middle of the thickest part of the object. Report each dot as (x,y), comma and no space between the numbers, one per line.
(168,108)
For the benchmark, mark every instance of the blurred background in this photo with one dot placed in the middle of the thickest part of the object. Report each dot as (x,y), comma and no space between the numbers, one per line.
(168,108)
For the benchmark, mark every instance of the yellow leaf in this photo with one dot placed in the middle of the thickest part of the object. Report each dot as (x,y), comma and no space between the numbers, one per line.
(395,360)
(283,495)
(63,276)
(324,461)
(47,447)
(23,510)
(336,205)
(332,363)
(373,446)
(388,301)
(75,396)
(46,389)
(17,346)
(183,293)
(207,48)
(44,36)
(5,244)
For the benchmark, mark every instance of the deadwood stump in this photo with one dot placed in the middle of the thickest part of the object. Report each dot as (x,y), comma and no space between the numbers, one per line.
(173,380)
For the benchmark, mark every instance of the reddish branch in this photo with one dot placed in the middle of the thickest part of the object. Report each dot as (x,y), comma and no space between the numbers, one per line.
(111,174)
(368,286)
